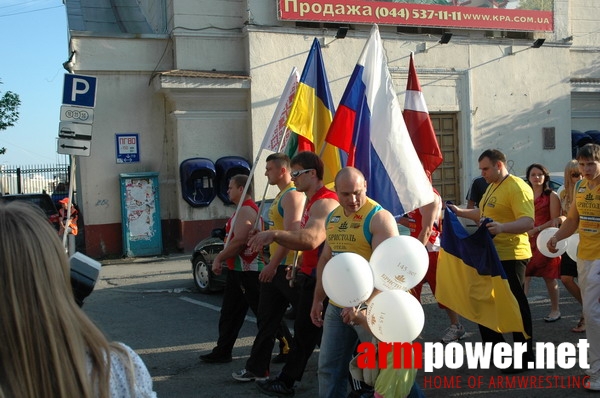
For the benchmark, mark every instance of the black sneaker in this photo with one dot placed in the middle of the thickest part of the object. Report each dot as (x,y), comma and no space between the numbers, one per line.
(212,358)
(275,388)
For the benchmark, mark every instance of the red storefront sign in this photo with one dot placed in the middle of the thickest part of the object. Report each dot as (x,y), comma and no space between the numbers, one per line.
(464,15)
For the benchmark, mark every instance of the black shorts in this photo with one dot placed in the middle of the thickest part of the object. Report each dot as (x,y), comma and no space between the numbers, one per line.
(568,266)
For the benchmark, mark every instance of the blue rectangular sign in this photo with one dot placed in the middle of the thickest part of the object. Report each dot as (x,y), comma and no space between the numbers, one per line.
(79,90)
(128,148)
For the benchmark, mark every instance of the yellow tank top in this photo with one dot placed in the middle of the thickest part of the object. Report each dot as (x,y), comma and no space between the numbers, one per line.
(352,233)
(588,206)
(276,221)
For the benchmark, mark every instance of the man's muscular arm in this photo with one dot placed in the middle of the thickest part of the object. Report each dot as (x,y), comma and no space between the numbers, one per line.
(430,213)
(316,312)
(307,238)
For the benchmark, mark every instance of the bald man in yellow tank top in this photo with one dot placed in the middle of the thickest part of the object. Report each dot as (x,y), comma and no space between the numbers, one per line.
(358,225)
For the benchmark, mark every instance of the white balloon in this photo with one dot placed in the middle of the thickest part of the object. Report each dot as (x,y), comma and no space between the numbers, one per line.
(399,262)
(542,240)
(572,243)
(395,316)
(348,279)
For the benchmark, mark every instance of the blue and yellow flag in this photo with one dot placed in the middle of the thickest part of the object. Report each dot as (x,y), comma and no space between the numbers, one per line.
(312,112)
(471,280)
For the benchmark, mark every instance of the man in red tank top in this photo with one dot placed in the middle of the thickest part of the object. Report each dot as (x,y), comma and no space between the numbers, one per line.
(242,285)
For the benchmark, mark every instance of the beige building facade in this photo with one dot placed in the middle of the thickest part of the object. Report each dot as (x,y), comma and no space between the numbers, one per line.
(202,78)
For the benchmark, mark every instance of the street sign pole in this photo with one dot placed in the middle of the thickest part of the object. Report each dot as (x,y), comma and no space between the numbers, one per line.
(77,115)
(75,129)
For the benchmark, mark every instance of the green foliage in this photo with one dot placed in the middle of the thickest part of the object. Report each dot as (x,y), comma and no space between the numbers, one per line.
(9,111)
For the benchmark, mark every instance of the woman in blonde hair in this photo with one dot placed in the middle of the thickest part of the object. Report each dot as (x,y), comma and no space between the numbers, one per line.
(568,266)
(50,348)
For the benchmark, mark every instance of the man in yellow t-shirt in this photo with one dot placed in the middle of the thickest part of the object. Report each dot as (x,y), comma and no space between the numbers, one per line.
(584,217)
(508,202)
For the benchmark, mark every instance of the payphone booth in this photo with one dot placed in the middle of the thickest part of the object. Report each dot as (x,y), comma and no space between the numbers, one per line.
(227,167)
(197,177)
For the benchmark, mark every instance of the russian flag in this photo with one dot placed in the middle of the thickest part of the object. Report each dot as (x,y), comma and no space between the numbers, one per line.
(369,126)
(312,112)
(418,123)
(471,279)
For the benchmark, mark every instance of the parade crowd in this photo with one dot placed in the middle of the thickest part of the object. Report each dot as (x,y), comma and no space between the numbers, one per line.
(51,348)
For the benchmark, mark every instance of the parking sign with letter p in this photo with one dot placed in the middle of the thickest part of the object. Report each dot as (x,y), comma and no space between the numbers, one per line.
(79,90)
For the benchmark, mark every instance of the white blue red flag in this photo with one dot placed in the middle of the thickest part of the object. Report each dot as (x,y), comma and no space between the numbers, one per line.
(369,126)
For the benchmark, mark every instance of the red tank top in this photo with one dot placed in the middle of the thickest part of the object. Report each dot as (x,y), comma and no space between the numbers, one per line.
(247,256)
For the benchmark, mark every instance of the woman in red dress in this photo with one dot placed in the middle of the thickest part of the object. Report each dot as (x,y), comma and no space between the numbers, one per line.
(547,214)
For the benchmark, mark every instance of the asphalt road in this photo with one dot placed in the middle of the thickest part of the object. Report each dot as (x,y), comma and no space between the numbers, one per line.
(151,304)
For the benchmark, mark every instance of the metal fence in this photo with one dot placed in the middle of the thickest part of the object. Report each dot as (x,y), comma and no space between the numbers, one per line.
(50,179)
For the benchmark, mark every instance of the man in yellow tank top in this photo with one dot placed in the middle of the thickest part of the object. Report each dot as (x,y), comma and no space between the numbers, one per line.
(358,225)
(275,290)
(584,217)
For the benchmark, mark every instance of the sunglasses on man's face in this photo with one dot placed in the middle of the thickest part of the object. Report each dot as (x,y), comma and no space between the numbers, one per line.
(298,173)
(575,175)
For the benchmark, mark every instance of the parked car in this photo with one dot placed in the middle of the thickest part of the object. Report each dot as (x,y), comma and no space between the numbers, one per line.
(40,200)
(557,180)
(205,252)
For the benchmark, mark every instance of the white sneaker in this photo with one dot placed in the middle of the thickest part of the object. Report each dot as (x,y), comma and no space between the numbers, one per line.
(454,333)
(245,376)
(593,384)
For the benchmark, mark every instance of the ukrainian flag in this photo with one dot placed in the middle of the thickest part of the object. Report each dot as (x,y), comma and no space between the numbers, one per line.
(312,112)
(471,280)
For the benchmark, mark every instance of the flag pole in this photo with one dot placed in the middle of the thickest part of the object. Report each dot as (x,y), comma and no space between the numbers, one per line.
(290,84)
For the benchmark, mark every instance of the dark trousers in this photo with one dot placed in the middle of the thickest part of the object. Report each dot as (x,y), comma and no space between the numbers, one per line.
(274,299)
(306,335)
(515,273)
(241,292)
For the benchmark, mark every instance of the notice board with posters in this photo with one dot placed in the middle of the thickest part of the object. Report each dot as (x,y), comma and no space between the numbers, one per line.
(140,214)
(518,15)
